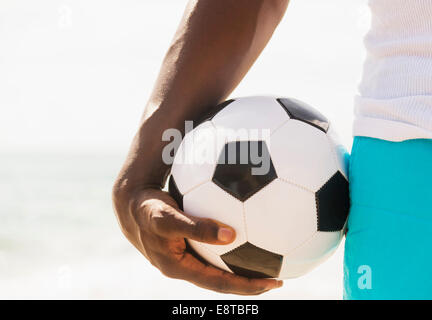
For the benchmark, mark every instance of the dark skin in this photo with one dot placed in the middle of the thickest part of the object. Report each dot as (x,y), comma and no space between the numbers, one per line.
(214,47)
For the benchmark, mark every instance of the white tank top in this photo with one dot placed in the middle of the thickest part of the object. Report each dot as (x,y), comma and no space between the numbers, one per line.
(395,94)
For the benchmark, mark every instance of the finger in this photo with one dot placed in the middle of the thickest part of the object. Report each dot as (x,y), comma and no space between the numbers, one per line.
(172,223)
(209,277)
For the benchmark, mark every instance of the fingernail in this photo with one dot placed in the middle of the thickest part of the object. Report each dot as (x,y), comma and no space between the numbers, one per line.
(274,285)
(225,235)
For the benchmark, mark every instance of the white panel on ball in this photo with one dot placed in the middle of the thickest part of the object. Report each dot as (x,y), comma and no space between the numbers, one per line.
(304,259)
(321,244)
(210,257)
(210,201)
(295,269)
(248,115)
(197,156)
(301,154)
(280,217)
(341,154)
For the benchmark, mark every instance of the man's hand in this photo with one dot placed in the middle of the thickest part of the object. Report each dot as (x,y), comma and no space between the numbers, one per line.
(156,226)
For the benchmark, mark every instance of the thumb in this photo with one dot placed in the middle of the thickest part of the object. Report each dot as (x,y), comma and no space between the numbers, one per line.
(177,224)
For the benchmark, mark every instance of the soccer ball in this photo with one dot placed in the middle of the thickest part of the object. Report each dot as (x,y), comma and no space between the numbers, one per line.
(273,169)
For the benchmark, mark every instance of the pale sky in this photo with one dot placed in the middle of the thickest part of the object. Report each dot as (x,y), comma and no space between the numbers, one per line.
(75,75)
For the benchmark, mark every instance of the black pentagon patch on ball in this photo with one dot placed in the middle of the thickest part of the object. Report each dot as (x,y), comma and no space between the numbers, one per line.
(303,112)
(175,192)
(333,203)
(209,115)
(253,262)
(244,168)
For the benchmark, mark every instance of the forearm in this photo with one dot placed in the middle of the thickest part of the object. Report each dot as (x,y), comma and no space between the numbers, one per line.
(214,47)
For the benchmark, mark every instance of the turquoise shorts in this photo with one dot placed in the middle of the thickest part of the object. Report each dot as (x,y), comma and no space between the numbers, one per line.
(388,248)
